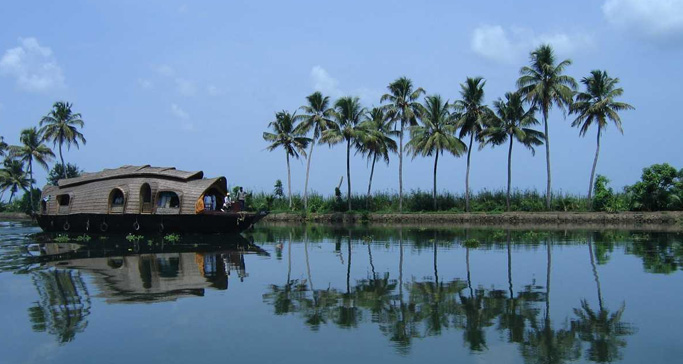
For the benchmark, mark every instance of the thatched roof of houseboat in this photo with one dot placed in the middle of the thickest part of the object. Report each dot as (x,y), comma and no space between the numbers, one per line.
(132,171)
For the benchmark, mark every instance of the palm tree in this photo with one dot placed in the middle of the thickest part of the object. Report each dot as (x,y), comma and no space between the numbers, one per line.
(403,107)
(13,177)
(377,141)
(317,117)
(597,105)
(3,146)
(543,84)
(285,137)
(348,113)
(513,122)
(60,126)
(32,150)
(471,113)
(435,135)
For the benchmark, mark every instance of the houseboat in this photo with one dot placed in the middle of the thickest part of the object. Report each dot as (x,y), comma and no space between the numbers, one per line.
(141,199)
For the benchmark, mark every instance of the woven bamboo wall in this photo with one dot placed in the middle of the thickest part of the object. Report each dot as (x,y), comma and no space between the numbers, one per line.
(93,196)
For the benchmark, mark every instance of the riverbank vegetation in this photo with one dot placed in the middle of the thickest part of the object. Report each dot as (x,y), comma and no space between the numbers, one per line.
(660,189)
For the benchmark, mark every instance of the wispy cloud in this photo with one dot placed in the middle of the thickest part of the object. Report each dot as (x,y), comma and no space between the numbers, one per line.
(185,87)
(144,83)
(509,46)
(654,19)
(213,90)
(324,82)
(183,116)
(179,113)
(33,66)
(165,70)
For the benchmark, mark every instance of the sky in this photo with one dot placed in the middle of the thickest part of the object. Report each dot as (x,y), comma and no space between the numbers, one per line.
(194,84)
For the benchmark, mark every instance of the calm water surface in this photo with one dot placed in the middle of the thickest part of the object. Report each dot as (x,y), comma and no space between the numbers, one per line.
(336,295)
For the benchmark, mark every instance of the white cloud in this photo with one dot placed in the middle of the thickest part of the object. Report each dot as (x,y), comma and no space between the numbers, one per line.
(185,87)
(179,113)
(323,82)
(213,90)
(508,46)
(652,18)
(33,66)
(165,70)
(329,86)
(146,84)
(184,117)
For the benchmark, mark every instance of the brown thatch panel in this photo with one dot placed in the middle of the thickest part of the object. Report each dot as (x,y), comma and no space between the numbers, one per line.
(132,171)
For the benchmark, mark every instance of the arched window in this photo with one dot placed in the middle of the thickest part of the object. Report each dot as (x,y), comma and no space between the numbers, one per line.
(116,201)
(64,203)
(145,198)
(168,202)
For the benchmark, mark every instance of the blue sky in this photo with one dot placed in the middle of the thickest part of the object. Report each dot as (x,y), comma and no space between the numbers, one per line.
(194,84)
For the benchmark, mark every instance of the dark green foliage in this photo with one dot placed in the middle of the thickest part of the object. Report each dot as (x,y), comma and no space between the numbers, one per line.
(57,173)
(25,202)
(660,188)
(604,196)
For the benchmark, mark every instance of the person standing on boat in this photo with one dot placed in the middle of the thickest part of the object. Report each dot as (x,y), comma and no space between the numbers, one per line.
(226,202)
(241,197)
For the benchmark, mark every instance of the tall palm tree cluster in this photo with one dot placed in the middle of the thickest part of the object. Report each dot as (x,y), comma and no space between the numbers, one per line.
(61,127)
(438,126)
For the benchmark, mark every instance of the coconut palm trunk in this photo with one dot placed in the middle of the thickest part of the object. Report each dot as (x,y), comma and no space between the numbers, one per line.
(547,158)
(509,172)
(400,170)
(289,182)
(436,160)
(348,173)
(372,171)
(61,158)
(308,169)
(30,192)
(595,163)
(467,175)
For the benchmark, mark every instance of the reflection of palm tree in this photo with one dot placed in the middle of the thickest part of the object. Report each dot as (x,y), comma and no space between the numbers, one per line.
(601,329)
(547,346)
(64,304)
(544,344)
(512,319)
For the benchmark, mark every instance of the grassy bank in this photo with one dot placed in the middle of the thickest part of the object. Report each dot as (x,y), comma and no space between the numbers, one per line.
(588,219)
(419,201)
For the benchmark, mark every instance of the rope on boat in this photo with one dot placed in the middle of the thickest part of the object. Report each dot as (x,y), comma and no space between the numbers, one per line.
(87,225)
(136,225)
(104,226)
(66,226)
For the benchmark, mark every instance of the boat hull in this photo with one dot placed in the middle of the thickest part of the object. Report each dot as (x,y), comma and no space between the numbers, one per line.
(230,222)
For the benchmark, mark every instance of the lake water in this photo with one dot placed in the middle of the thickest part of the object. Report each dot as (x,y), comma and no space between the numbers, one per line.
(321,294)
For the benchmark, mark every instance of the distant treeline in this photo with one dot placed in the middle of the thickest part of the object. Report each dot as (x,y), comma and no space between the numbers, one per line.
(660,188)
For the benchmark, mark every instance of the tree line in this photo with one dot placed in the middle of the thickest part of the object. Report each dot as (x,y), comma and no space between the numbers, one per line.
(61,127)
(437,126)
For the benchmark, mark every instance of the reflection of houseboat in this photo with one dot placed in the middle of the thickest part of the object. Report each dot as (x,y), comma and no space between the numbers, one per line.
(141,199)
